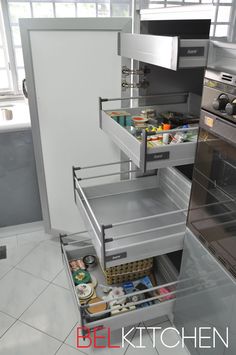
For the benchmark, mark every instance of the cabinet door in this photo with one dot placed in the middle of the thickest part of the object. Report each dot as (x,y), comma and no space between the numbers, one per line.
(69,64)
(207,301)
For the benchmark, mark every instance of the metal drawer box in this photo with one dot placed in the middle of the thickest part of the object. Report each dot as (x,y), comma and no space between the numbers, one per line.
(169,52)
(78,246)
(143,156)
(133,219)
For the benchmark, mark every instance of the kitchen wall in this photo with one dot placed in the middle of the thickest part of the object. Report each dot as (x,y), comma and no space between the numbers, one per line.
(19,194)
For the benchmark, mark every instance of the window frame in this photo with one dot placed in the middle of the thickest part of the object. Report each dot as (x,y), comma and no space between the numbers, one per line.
(9,45)
(12,70)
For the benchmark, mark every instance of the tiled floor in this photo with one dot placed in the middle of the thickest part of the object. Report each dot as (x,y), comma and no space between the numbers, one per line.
(37,313)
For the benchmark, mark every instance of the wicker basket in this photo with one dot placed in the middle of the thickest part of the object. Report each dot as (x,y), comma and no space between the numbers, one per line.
(129,271)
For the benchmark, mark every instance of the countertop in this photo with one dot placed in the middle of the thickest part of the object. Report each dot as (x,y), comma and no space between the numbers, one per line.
(21,116)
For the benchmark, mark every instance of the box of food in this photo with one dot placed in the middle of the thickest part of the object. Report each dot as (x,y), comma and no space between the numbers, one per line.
(121,117)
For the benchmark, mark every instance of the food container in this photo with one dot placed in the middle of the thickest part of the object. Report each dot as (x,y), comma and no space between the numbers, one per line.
(129,271)
(166,136)
(84,291)
(139,120)
(81,277)
(90,261)
(76,264)
(93,310)
(177,119)
(121,117)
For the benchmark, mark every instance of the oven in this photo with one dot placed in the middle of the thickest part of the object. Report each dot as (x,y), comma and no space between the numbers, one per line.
(212,208)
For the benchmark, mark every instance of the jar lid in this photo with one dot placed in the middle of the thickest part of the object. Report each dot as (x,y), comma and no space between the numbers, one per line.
(96,308)
(81,277)
(84,291)
(90,260)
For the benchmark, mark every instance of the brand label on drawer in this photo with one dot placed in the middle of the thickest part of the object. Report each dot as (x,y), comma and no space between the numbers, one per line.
(116,256)
(192,51)
(158,156)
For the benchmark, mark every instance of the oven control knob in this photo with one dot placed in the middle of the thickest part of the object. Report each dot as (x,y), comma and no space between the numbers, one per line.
(231,108)
(220,102)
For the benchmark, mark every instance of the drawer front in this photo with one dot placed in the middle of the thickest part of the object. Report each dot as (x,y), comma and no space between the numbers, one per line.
(170,155)
(169,52)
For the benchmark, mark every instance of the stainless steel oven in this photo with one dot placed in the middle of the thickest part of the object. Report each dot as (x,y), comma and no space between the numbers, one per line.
(212,209)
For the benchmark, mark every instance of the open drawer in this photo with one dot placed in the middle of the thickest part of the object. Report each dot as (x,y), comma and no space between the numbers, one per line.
(170,52)
(132,219)
(131,309)
(143,147)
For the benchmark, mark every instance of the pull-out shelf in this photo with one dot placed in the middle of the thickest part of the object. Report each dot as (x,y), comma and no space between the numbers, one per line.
(77,246)
(138,150)
(169,52)
(133,219)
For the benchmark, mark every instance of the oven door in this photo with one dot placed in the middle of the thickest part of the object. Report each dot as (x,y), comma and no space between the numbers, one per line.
(212,209)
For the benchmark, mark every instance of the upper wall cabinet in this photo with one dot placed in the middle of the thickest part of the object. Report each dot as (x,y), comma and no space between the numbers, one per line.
(171,52)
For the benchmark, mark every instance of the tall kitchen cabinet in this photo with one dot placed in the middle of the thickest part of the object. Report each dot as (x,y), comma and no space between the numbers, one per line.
(131,201)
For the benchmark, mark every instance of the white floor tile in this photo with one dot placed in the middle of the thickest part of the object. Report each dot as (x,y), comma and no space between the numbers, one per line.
(14,255)
(5,322)
(24,340)
(4,268)
(53,312)
(115,341)
(18,291)
(67,350)
(10,242)
(44,261)
(20,229)
(61,279)
(36,237)
(170,338)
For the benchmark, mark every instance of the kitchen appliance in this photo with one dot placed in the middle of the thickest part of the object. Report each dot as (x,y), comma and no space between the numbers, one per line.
(212,209)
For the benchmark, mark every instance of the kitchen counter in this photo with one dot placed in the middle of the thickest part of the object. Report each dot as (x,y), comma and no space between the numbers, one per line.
(21,116)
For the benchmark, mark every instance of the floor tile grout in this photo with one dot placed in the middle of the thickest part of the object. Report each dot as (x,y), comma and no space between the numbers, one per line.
(41,331)
(37,277)
(12,267)
(15,320)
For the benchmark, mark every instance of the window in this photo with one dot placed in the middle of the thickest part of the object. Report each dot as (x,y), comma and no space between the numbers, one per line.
(11,75)
(5,75)
(223,10)
(15,9)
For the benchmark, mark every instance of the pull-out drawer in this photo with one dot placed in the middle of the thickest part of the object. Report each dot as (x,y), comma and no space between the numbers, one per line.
(169,52)
(132,219)
(145,154)
(78,246)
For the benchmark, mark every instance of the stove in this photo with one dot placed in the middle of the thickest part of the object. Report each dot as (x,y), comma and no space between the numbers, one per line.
(212,208)
(219,94)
